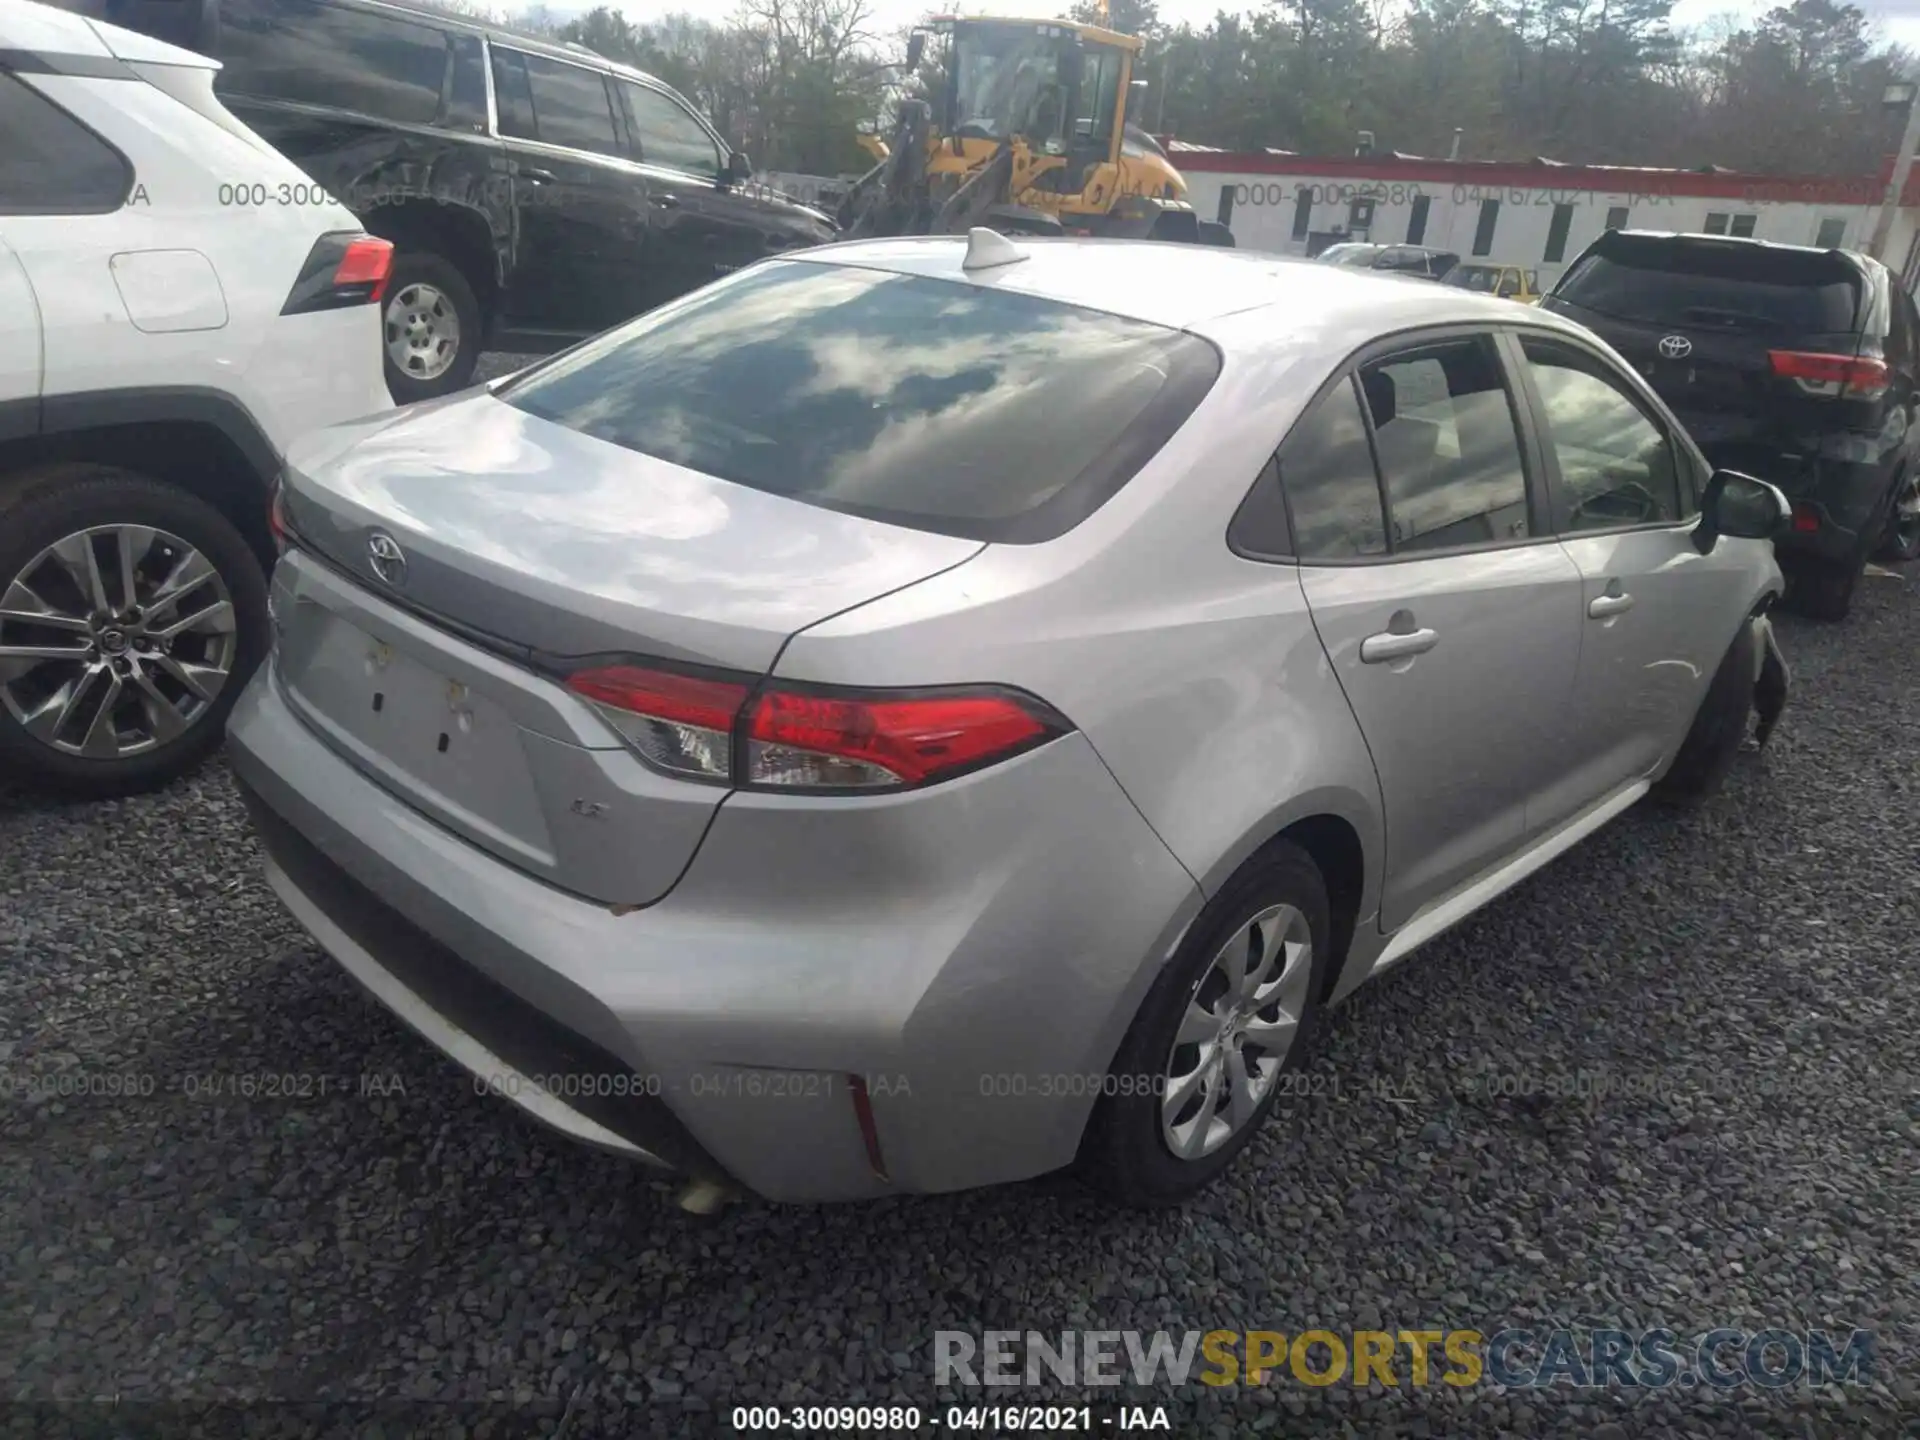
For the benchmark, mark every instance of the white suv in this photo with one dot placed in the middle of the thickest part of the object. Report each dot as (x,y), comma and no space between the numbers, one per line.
(177,304)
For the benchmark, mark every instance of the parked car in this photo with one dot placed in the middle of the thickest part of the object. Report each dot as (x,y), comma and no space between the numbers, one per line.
(157,356)
(1509,282)
(1788,362)
(1415,260)
(535,193)
(925,713)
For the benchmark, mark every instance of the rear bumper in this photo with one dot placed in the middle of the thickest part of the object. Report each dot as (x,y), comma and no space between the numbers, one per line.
(973,954)
(1843,499)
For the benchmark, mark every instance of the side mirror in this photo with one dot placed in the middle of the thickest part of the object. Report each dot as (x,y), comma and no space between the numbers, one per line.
(739,169)
(1742,507)
(916,47)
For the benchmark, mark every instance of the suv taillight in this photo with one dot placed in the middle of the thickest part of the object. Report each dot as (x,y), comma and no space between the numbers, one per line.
(812,739)
(343,269)
(1856,377)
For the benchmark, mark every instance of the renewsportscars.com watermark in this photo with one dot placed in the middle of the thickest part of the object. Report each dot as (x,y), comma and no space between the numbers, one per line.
(1513,1357)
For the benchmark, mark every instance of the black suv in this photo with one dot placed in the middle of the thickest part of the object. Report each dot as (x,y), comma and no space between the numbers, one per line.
(1790,363)
(535,193)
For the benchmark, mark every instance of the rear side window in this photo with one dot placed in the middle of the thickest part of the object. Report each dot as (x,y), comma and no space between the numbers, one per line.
(467,89)
(1447,446)
(929,403)
(1332,490)
(559,103)
(51,164)
(1737,290)
(323,54)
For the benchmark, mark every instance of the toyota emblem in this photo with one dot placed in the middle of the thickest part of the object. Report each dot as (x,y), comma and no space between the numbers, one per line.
(1676,347)
(388,560)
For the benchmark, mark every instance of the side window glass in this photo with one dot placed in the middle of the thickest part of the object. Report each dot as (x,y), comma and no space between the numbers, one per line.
(1617,466)
(668,135)
(51,164)
(335,55)
(571,106)
(467,92)
(1327,473)
(511,96)
(1259,527)
(1448,447)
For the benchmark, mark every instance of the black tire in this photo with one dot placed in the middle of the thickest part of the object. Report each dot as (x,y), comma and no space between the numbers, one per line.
(43,507)
(419,267)
(1823,589)
(1123,1154)
(1900,539)
(1706,755)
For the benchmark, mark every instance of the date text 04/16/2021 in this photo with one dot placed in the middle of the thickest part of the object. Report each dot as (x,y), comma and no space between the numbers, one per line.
(958,1419)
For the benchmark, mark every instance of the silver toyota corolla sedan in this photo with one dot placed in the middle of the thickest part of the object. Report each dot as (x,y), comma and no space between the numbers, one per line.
(917,714)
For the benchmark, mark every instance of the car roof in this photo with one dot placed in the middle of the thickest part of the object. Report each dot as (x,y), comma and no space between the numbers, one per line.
(43,32)
(1700,240)
(1185,286)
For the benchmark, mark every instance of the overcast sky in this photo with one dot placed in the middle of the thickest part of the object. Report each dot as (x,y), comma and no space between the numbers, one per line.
(1898,20)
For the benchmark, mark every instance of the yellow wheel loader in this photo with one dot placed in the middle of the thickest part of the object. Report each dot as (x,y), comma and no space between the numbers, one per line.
(1027,134)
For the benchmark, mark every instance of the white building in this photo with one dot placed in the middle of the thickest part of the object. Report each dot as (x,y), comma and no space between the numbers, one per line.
(1539,214)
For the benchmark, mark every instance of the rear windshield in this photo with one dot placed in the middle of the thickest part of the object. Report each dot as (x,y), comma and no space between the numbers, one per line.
(1721,286)
(945,406)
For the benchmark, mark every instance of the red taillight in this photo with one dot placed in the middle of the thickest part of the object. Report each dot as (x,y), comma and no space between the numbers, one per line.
(1857,377)
(809,739)
(816,741)
(682,724)
(1806,519)
(343,269)
(368,261)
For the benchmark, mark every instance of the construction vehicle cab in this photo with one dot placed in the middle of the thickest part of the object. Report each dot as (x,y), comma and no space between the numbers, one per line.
(1026,132)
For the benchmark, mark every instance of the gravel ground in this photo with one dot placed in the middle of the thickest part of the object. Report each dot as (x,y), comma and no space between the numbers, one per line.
(390,1236)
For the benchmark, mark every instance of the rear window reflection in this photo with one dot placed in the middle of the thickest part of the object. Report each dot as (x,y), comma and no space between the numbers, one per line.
(944,405)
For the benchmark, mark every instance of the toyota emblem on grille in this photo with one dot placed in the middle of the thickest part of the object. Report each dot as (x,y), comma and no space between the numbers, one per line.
(386,557)
(1674,347)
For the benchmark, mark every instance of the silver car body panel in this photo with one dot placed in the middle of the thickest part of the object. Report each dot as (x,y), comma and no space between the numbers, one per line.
(567,544)
(975,949)
(809,941)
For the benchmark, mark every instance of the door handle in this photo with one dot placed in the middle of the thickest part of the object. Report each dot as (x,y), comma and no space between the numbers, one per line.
(1396,645)
(537,176)
(666,202)
(1602,606)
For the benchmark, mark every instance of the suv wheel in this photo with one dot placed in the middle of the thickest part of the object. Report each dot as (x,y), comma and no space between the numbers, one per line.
(131,614)
(430,322)
(1233,1013)
(1900,542)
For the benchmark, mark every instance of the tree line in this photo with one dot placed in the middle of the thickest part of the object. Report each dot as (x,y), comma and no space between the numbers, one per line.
(1798,91)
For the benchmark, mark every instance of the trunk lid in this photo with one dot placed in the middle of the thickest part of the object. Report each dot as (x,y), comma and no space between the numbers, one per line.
(1699,317)
(523,546)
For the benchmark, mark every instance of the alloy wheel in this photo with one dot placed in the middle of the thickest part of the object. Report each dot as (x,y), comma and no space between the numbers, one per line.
(114,641)
(1241,1021)
(423,331)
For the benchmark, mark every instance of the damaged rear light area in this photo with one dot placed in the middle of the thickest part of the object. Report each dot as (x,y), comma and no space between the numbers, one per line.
(807,739)
(343,269)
